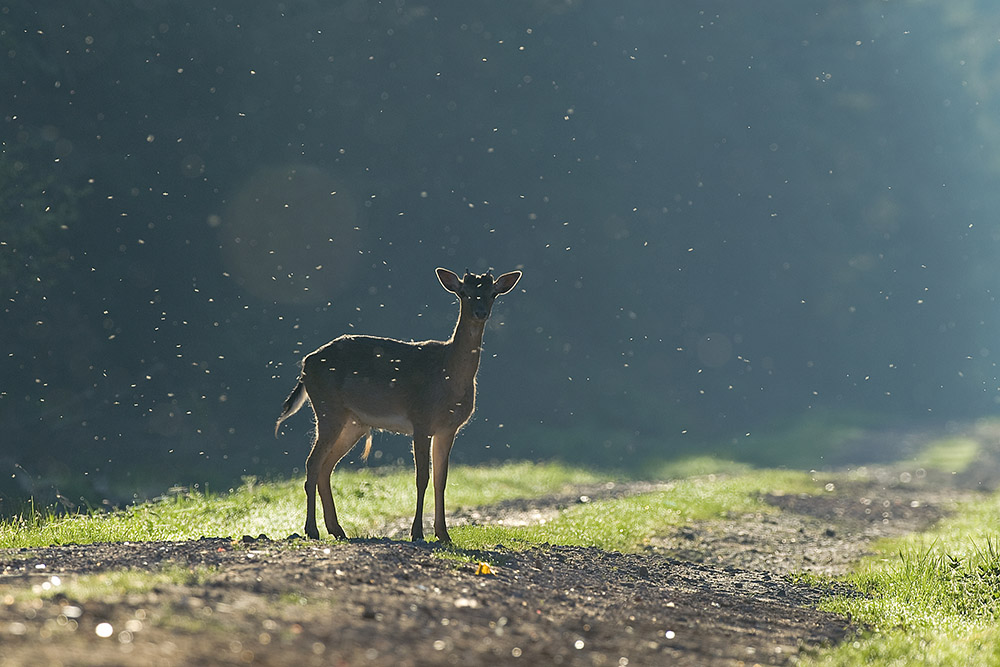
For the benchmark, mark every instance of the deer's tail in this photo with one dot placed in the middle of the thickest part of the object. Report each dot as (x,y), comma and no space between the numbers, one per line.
(368,446)
(293,403)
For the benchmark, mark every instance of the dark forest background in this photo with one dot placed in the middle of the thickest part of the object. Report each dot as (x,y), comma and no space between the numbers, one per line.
(733,218)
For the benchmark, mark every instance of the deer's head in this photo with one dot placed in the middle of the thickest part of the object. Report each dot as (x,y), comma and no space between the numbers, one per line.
(478,292)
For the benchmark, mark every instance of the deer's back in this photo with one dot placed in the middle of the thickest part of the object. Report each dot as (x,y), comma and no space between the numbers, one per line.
(386,383)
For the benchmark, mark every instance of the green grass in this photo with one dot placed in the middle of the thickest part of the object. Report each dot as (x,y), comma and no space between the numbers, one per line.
(931,598)
(365,500)
(949,454)
(111,583)
(693,466)
(628,524)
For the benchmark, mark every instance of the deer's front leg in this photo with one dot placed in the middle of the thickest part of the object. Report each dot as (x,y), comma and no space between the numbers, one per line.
(421,460)
(441,452)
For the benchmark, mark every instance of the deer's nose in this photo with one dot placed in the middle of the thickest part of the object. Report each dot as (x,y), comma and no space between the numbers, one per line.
(480,308)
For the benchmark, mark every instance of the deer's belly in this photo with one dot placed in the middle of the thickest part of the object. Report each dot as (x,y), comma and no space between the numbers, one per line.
(396,423)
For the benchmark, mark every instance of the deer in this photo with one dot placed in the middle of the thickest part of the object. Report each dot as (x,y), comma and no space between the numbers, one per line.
(424,389)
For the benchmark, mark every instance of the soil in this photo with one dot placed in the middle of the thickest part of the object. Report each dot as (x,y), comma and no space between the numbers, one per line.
(710,593)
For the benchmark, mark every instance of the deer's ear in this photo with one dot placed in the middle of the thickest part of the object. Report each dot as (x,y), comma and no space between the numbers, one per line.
(449,280)
(506,282)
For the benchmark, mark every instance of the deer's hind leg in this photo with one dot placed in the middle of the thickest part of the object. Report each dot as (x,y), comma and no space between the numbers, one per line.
(329,425)
(349,435)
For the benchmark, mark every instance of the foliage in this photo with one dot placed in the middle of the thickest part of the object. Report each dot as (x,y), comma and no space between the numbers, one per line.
(36,209)
(725,218)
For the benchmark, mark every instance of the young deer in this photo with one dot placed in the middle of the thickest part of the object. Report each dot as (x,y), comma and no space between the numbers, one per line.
(427,390)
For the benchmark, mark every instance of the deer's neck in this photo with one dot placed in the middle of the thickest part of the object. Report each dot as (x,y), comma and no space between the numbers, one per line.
(466,345)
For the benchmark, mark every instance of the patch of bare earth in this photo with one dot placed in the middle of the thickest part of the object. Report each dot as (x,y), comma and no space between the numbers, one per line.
(711,593)
(391,602)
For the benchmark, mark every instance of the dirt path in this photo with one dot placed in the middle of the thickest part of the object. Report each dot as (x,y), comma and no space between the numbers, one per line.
(386,602)
(822,534)
(712,593)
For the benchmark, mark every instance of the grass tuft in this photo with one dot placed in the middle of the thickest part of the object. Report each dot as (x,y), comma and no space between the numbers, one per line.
(932,598)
